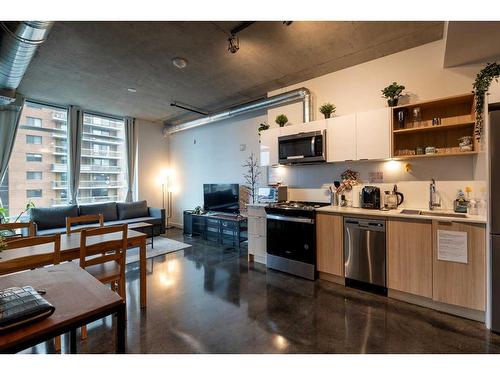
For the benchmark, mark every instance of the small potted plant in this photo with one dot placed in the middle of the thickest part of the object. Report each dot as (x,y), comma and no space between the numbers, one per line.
(281,120)
(392,93)
(327,109)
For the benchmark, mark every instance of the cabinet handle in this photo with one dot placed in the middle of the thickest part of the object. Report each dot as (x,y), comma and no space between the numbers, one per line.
(348,160)
(363,159)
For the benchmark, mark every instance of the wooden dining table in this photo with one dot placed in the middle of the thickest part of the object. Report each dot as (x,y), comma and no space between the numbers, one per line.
(31,257)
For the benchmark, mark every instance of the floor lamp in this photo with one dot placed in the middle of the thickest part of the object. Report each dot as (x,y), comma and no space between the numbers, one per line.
(166,197)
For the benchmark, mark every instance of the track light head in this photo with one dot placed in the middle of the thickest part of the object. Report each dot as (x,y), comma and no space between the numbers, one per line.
(234,44)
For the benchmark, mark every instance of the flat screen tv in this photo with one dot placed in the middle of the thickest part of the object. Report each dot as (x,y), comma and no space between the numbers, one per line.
(221,198)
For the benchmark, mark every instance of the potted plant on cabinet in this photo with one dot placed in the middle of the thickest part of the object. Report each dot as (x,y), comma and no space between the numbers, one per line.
(281,120)
(392,93)
(327,109)
(263,126)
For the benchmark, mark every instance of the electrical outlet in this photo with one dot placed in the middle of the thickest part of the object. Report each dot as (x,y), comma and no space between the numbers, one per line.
(243,147)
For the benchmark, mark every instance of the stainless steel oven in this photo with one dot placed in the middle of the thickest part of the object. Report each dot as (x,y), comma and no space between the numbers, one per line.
(302,148)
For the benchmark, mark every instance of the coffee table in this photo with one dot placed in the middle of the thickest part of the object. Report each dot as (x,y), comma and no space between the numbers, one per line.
(144,226)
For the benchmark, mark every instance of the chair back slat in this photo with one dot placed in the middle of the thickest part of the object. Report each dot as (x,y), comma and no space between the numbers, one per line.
(103,251)
(94,219)
(35,241)
(30,226)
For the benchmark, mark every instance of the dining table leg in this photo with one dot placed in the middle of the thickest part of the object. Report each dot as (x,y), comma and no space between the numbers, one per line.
(72,341)
(142,276)
(121,330)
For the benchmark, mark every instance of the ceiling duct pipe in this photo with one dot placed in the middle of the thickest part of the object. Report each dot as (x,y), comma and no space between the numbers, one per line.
(302,94)
(18,44)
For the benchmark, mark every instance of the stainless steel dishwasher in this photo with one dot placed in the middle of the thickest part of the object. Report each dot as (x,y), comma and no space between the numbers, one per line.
(364,254)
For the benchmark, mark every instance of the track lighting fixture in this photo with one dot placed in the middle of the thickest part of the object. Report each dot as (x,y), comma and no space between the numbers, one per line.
(234,44)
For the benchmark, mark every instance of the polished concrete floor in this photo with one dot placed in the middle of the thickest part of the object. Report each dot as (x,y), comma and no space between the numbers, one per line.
(209,299)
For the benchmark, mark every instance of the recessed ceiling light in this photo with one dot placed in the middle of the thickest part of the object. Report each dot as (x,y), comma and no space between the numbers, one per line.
(179,62)
(131,89)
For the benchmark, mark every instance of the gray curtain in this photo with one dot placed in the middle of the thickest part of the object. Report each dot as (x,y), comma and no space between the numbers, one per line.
(131,145)
(75,128)
(9,122)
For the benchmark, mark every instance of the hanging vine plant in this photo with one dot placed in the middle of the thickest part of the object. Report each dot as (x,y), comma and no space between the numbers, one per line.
(480,88)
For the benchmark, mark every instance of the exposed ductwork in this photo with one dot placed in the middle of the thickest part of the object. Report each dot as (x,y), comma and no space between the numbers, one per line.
(265,103)
(18,44)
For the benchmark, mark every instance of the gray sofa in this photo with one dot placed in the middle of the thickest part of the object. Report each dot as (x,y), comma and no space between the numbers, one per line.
(51,220)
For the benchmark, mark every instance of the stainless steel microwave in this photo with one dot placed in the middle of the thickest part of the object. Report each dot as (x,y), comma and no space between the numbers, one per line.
(302,148)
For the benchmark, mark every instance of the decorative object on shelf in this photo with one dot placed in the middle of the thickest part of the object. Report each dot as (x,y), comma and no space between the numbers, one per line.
(430,150)
(281,120)
(349,179)
(3,244)
(263,126)
(392,93)
(402,113)
(198,211)
(436,121)
(416,117)
(465,143)
(327,109)
(460,204)
(251,176)
(479,89)
(419,151)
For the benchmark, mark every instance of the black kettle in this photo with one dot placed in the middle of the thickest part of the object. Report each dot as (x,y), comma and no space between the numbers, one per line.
(393,199)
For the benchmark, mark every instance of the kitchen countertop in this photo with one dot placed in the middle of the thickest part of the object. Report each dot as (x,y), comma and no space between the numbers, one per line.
(397,213)
(257,205)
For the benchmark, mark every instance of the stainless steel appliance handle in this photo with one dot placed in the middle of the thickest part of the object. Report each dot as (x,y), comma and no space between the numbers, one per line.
(313,146)
(290,218)
(295,157)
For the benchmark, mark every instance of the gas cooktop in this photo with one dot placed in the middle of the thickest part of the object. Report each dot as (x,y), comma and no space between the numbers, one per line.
(306,206)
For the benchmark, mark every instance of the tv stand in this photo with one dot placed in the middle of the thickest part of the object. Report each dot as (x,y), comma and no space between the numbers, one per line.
(225,229)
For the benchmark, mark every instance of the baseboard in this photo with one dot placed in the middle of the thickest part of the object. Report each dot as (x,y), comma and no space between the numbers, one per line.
(331,278)
(176,225)
(439,306)
(257,258)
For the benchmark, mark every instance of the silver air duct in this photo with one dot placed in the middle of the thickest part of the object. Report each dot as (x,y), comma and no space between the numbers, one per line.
(265,103)
(18,44)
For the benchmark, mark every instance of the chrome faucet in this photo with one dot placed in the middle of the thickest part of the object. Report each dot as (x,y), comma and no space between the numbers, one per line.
(434,200)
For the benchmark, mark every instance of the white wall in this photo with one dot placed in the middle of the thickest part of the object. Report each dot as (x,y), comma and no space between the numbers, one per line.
(210,154)
(152,157)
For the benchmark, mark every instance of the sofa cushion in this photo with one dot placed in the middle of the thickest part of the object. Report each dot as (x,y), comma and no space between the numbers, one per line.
(132,210)
(52,217)
(107,209)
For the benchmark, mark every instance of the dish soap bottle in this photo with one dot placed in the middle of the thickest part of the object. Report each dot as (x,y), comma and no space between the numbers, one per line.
(460,204)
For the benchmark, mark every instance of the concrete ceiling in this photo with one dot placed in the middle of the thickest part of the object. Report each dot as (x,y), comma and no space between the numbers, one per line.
(92,64)
(472,42)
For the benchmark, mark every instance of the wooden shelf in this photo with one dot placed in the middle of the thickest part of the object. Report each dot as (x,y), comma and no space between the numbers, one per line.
(464,153)
(449,100)
(435,127)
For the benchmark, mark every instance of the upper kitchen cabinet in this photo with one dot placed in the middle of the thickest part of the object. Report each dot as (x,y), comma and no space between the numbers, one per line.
(373,134)
(269,147)
(341,138)
(306,127)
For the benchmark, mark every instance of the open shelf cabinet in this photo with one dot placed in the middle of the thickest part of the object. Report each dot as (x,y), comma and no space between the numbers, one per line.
(456,120)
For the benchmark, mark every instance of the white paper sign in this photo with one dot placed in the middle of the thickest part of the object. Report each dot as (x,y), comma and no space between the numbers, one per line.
(452,246)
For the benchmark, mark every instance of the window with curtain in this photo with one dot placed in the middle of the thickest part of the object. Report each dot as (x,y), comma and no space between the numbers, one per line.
(38,161)
(103,161)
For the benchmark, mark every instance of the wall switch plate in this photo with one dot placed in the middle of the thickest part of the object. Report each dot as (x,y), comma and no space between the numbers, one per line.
(243,147)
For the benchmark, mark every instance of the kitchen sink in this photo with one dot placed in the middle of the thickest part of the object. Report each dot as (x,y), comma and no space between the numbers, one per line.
(433,213)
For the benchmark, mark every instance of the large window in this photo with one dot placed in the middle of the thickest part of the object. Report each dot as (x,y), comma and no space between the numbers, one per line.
(38,162)
(103,164)
(38,167)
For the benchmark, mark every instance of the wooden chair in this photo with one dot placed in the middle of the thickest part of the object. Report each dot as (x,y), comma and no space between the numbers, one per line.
(28,262)
(13,227)
(105,260)
(91,219)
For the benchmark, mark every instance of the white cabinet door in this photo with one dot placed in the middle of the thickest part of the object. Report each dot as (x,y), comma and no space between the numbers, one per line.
(341,138)
(373,138)
(269,147)
(291,129)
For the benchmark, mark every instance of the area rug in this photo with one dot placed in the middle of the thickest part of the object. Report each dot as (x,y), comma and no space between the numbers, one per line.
(162,246)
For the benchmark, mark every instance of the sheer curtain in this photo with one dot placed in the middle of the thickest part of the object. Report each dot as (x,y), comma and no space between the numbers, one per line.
(131,146)
(9,122)
(75,129)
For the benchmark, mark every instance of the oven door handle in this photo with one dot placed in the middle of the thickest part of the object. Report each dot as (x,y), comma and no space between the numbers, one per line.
(313,146)
(290,218)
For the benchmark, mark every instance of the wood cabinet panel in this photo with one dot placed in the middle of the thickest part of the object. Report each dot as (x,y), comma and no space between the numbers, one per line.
(459,283)
(329,244)
(409,256)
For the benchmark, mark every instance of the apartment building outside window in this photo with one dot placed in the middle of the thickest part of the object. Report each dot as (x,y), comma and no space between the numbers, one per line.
(33,157)
(30,175)
(103,164)
(33,121)
(34,193)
